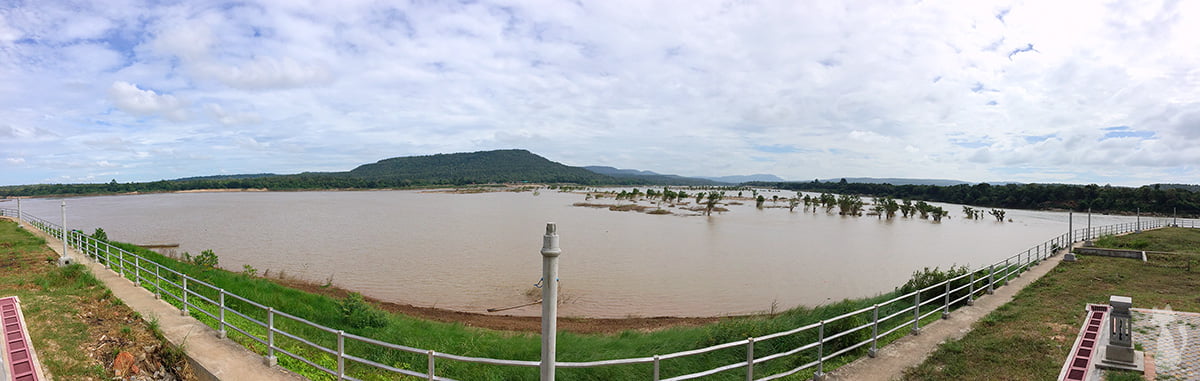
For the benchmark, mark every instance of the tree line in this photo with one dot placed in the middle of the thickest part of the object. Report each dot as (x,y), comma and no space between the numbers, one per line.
(1101,199)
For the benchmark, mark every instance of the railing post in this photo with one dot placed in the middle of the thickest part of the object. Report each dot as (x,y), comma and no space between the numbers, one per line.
(157,282)
(64,260)
(20,216)
(341,355)
(550,253)
(874,351)
(656,368)
(184,311)
(820,373)
(430,365)
(750,359)
(991,279)
(121,261)
(107,256)
(971,290)
(137,276)
(916,329)
(946,306)
(271,359)
(224,334)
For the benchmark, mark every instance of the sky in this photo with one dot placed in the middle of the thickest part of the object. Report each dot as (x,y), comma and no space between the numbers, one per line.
(1030,91)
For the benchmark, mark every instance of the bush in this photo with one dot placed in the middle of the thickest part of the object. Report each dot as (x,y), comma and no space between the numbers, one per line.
(206,259)
(360,314)
(100,235)
(928,277)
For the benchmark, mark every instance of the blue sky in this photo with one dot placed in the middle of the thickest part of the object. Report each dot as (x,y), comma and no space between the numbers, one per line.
(1034,91)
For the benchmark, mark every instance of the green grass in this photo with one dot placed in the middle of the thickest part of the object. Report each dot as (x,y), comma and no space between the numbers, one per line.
(53,300)
(1029,337)
(1173,240)
(476,342)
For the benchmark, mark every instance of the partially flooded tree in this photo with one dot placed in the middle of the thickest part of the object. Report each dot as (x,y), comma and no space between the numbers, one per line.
(907,209)
(792,202)
(711,202)
(969,212)
(937,212)
(998,213)
(758,202)
(890,206)
(923,208)
(828,201)
(849,205)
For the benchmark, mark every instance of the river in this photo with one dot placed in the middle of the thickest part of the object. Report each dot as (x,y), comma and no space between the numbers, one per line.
(470,252)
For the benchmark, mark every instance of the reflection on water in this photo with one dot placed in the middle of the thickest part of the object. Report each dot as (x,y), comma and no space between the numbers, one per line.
(479,251)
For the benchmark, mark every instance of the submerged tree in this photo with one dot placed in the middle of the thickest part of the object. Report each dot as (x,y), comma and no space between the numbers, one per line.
(849,205)
(998,213)
(713,198)
(758,202)
(907,208)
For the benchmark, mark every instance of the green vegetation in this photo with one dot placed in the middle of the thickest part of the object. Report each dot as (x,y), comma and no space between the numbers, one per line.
(355,315)
(76,325)
(1102,199)
(1183,243)
(1172,240)
(1028,338)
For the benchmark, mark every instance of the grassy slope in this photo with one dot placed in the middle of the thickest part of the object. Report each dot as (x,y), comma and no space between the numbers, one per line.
(77,326)
(1028,338)
(471,341)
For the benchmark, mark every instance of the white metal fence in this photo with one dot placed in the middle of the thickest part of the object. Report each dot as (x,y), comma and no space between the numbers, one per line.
(325,348)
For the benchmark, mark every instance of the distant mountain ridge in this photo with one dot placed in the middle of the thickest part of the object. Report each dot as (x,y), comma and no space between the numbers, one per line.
(652,177)
(738,179)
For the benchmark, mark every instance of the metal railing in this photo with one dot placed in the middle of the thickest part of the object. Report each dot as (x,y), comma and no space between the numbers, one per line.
(264,326)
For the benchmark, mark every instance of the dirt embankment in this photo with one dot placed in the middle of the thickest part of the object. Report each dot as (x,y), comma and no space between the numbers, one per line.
(513,323)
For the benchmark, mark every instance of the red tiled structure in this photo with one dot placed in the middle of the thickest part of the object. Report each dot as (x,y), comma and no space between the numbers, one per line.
(1079,360)
(18,352)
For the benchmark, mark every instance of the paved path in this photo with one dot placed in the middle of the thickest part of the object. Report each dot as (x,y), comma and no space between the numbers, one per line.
(216,358)
(1173,338)
(911,351)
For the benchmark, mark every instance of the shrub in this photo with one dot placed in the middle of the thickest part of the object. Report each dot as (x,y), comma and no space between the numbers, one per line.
(360,314)
(928,277)
(206,259)
(100,235)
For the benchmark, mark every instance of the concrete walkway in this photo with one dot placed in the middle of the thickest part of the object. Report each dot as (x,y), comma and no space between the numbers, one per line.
(910,351)
(213,358)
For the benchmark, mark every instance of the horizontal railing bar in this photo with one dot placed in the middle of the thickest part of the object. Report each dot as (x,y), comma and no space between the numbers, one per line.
(306,361)
(707,372)
(485,360)
(704,350)
(384,344)
(364,361)
(846,349)
(790,372)
(305,341)
(248,334)
(305,321)
(788,332)
(593,364)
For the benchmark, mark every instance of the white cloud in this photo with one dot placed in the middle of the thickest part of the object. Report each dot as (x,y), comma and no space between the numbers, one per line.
(129,98)
(868,89)
(15,160)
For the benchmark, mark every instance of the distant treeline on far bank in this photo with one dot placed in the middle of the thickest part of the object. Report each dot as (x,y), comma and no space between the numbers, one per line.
(1156,199)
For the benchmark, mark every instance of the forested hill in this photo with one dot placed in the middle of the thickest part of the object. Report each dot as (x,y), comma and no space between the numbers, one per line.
(1102,199)
(485,167)
(502,166)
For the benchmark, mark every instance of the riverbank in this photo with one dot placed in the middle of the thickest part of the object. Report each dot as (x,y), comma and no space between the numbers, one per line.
(1028,338)
(502,322)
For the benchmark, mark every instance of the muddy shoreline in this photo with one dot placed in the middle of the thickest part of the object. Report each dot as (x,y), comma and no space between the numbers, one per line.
(513,323)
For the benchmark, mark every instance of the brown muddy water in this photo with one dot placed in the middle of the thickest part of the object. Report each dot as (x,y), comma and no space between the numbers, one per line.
(471,252)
